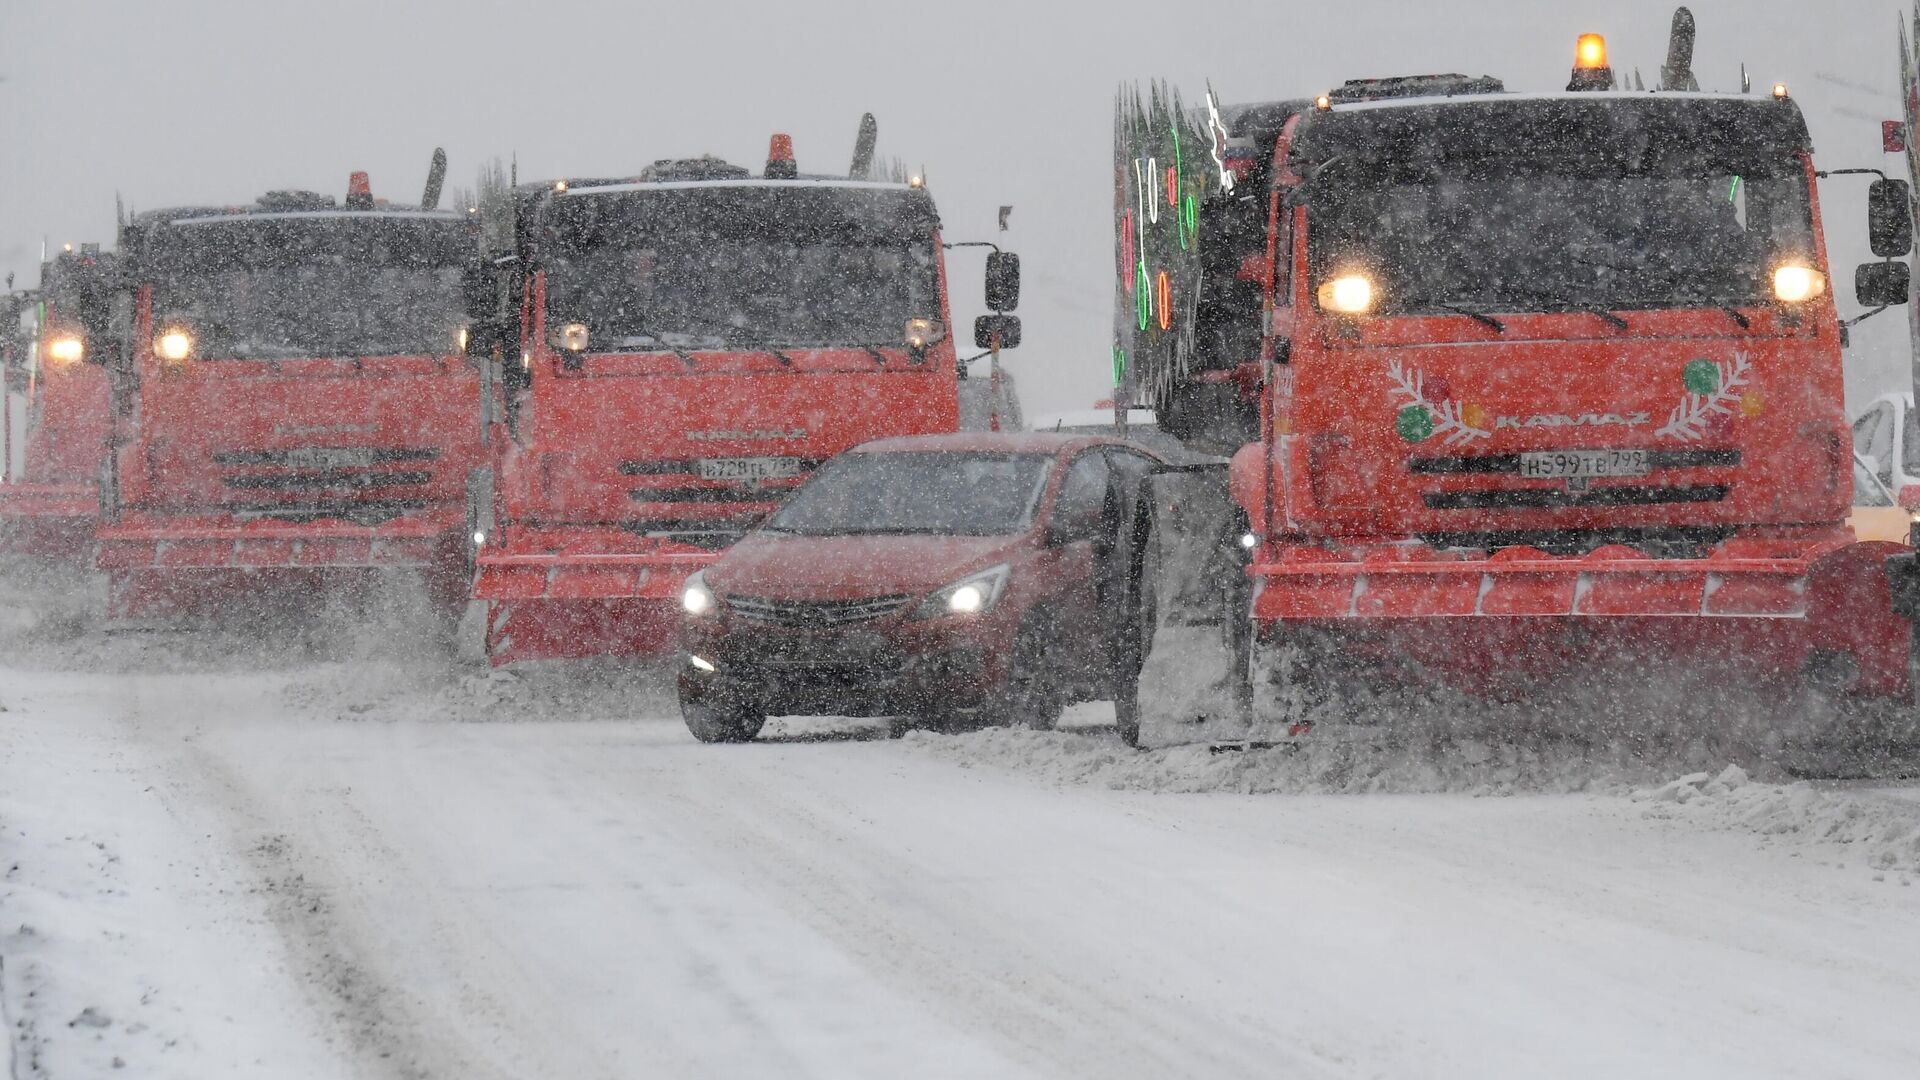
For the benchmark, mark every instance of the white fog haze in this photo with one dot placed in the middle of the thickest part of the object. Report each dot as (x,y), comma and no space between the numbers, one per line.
(619,629)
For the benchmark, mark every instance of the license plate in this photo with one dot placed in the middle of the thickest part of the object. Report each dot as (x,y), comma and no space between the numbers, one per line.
(327,457)
(1582,464)
(748,469)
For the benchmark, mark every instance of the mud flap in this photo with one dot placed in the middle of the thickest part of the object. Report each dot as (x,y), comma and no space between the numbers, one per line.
(1193,598)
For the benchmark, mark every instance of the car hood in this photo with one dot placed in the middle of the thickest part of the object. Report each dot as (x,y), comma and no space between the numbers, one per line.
(849,567)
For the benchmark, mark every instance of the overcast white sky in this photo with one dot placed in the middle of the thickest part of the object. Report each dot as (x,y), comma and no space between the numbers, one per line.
(197,101)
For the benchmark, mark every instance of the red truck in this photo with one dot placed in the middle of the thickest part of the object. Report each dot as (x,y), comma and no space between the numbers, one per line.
(1513,384)
(49,485)
(294,403)
(684,346)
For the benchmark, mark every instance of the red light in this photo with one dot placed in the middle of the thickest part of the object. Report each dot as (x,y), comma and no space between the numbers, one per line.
(1126,250)
(1173,187)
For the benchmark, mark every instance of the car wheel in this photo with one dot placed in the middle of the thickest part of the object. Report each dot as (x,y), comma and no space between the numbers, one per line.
(712,723)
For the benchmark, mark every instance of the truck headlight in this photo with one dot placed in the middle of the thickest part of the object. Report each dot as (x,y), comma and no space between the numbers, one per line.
(975,594)
(572,337)
(1348,294)
(67,349)
(1794,283)
(174,344)
(695,598)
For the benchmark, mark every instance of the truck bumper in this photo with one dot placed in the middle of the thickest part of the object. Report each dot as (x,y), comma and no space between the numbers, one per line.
(1775,606)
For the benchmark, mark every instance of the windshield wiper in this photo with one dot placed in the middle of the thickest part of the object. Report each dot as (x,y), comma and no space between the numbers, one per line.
(1563,304)
(727,332)
(1477,316)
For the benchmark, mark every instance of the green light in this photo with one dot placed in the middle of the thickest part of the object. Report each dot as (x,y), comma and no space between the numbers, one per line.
(1143,295)
(1119,364)
(1733,195)
(1189,220)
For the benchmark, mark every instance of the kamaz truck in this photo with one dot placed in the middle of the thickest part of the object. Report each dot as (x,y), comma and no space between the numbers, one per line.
(55,426)
(680,348)
(1513,385)
(294,405)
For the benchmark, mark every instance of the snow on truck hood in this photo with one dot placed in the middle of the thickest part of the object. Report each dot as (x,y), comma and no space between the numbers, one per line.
(847,567)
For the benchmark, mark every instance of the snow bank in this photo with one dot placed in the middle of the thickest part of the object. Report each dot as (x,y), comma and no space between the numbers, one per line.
(1880,829)
(1319,764)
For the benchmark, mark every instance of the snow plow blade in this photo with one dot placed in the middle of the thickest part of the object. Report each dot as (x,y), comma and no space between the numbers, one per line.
(573,606)
(1767,607)
(170,566)
(48,521)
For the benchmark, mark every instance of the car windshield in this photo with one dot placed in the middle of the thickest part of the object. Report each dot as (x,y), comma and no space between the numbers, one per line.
(720,266)
(917,492)
(312,285)
(1546,235)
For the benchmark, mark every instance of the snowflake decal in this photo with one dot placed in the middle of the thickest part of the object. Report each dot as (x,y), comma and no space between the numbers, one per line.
(1713,389)
(1423,418)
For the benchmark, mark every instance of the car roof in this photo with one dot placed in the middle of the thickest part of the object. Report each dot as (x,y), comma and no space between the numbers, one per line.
(1003,442)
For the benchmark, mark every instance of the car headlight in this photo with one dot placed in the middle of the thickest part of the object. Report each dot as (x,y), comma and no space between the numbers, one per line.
(974,594)
(696,599)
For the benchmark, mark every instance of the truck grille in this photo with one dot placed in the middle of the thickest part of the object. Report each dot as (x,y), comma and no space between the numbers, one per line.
(816,613)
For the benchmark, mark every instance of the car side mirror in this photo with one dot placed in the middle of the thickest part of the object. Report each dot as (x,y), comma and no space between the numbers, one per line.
(1909,497)
(1882,284)
(1890,218)
(1003,281)
(1006,327)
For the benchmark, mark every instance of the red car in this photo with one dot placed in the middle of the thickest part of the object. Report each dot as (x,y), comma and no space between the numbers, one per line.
(947,579)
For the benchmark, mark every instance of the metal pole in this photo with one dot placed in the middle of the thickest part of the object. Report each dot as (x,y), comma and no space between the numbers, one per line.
(993,382)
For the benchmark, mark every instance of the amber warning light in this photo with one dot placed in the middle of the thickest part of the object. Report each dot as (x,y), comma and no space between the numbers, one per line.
(780,163)
(1590,70)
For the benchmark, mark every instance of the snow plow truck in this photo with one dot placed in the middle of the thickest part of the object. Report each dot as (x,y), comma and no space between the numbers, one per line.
(56,373)
(294,406)
(680,349)
(1504,387)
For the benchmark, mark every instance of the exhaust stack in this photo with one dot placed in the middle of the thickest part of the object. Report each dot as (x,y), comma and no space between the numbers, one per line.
(436,175)
(1677,72)
(862,167)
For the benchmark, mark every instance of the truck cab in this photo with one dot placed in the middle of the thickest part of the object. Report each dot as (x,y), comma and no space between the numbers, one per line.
(294,401)
(687,345)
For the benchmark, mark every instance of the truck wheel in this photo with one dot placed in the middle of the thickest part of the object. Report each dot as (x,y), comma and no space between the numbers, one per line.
(1126,712)
(712,723)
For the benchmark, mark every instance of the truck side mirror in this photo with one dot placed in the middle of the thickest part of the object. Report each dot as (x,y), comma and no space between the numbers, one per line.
(1890,218)
(480,298)
(1882,284)
(1006,326)
(1003,281)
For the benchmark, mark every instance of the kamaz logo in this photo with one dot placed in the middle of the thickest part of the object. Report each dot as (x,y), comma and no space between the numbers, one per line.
(1560,420)
(768,435)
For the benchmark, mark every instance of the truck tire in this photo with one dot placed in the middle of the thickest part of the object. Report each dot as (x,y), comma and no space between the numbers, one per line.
(711,723)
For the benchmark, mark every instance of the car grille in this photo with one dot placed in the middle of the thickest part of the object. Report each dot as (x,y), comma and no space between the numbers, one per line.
(815,613)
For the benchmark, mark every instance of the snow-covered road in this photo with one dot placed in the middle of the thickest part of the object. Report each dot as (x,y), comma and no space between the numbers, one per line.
(329,870)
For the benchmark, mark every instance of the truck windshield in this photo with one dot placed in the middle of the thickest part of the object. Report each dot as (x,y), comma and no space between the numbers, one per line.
(788,265)
(916,492)
(312,285)
(1526,236)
